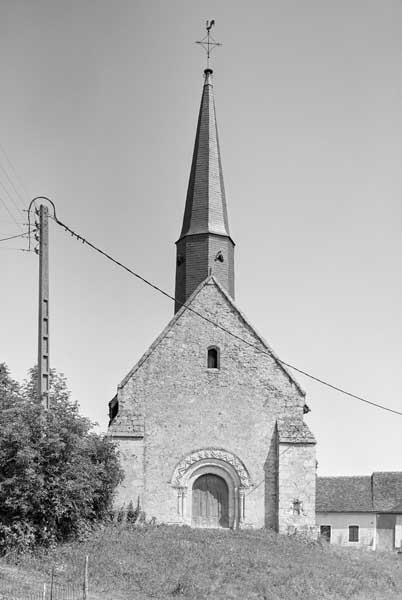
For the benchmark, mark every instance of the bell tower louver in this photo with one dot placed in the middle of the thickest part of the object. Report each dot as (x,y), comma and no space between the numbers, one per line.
(205,246)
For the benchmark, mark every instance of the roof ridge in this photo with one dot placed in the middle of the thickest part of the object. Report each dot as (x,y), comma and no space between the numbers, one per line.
(387,472)
(341,476)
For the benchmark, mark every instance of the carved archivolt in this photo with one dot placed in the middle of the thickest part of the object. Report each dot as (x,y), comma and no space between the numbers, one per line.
(212,454)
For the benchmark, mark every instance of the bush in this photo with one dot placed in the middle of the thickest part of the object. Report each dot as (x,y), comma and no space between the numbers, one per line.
(56,474)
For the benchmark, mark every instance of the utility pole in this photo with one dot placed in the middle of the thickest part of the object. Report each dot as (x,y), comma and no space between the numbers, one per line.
(43,329)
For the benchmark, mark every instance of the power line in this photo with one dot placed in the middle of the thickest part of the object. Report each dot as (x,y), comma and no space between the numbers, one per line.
(8,222)
(19,211)
(2,248)
(12,237)
(15,172)
(270,354)
(12,185)
(10,213)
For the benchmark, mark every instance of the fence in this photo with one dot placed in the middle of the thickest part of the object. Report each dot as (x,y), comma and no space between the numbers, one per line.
(22,588)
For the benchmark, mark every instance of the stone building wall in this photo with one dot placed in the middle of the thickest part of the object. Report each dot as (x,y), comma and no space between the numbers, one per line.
(185,407)
(296,479)
(131,455)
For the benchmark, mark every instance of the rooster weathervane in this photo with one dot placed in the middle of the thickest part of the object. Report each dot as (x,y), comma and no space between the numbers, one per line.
(208,42)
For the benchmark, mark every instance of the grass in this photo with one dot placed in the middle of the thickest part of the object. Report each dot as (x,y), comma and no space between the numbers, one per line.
(178,562)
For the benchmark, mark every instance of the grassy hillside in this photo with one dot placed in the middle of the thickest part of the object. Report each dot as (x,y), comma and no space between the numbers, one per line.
(167,562)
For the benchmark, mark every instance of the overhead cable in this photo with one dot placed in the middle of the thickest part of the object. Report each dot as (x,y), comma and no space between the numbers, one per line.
(10,213)
(217,325)
(12,237)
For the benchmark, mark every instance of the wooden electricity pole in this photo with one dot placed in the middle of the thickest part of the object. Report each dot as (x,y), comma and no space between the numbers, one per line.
(43,329)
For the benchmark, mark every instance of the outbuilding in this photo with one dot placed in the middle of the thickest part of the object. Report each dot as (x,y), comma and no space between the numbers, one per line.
(363,511)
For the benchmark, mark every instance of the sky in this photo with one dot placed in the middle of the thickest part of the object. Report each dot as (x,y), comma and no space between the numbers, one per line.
(99,108)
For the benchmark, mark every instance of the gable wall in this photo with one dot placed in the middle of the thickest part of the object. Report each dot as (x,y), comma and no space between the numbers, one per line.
(188,407)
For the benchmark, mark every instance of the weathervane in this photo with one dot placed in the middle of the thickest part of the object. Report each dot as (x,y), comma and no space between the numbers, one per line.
(208,42)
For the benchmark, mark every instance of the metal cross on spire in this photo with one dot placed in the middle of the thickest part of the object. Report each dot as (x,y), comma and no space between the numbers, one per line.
(208,42)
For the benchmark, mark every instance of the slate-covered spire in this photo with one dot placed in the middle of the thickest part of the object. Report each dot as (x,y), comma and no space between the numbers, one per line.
(205,246)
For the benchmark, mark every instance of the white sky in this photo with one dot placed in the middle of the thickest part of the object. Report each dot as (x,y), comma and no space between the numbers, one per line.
(99,107)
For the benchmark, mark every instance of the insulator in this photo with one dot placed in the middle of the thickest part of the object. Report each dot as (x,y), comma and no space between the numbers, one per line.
(37,224)
(36,236)
(36,250)
(36,210)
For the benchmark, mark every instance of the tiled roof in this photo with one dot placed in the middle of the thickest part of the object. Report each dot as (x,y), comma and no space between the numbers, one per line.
(206,210)
(344,494)
(380,492)
(387,491)
(294,432)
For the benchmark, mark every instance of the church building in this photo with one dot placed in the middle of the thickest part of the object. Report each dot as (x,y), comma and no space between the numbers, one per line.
(209,422)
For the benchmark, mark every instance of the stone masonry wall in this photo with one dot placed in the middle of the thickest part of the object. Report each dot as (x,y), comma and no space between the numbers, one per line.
(131,455)
(296,482)
(187,406)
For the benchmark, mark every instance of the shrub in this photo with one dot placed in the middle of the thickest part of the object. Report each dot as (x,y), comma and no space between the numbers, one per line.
(132,513)
(56,474)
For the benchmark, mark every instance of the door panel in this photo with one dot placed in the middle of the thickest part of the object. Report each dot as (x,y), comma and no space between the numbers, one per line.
(386,532)
(210,502)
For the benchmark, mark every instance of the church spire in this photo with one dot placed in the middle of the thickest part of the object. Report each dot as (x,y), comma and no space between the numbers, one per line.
(205,246)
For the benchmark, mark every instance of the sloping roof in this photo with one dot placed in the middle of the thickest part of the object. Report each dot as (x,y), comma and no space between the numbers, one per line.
(387,491)
(293,431)
(206,210)
(209,281)
(344,494)
(381,492)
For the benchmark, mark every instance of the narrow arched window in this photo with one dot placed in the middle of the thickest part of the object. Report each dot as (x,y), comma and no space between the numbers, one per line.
(213,358)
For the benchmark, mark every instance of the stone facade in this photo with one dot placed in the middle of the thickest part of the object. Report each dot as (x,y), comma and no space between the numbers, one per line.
(210,427)
(176,419)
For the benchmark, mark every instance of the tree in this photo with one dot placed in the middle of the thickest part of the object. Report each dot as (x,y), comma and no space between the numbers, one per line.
(56,474)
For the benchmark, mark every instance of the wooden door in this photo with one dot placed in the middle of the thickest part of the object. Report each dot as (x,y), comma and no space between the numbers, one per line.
(386,532)
(210,502)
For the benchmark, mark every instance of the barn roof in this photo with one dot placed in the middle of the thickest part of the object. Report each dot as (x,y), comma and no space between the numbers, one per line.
(387,491)
(381,492)
(344,494)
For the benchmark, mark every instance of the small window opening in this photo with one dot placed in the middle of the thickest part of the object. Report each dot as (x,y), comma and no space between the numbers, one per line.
(325,532)
(353,533)
(213,358)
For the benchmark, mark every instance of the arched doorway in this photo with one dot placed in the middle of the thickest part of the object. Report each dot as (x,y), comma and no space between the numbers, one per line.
(210,502)
(187,480)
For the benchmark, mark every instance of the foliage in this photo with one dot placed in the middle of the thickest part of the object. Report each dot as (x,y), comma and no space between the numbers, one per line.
(56,474)
(133,513)
(162,562)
